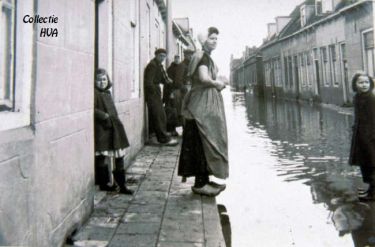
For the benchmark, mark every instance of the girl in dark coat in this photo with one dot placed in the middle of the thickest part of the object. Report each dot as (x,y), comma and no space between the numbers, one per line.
(110,136)
(362,152)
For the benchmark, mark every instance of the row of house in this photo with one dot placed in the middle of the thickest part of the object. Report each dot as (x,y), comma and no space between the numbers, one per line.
(46,103)
(312,53)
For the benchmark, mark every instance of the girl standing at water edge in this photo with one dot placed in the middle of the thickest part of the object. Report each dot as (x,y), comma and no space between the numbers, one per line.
(204,148)
(362,151)
(110,136)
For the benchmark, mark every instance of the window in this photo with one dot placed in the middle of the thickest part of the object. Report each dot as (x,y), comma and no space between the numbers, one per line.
(277,67)
(327,6)
(290,72)
(303,15)
(16,58)
(333,63)
(316,75)
(254,75)
(157,33)
(302,69)
(324,63)
(267,75)
(135,54)
(368,51)
(308,59)
(318,7)
(309,78)
(286,72)
(315,54)
(7,26)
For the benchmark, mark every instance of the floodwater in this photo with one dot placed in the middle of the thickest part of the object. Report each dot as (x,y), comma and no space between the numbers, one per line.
(290,183)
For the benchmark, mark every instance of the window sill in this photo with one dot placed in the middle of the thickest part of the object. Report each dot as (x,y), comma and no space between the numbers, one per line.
(13,120)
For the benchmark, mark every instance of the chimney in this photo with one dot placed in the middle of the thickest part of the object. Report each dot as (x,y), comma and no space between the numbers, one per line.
(281,22)
(248,51)
(271,27)
(306,12)
(318,7)
(337,3)
(327,6)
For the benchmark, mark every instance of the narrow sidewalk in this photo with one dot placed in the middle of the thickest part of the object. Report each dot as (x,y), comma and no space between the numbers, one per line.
(163,212)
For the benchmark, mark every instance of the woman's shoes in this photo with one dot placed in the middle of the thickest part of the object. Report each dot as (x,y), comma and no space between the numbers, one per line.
(206,190)
(221,187)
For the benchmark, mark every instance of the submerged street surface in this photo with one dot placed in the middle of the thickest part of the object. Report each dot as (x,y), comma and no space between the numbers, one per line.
(290,183)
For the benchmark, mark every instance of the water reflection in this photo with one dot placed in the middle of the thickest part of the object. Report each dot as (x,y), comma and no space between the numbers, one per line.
(225,225)
(311,145)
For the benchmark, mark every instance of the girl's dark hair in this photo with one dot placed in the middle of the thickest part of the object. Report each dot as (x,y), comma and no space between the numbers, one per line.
(357,75)
(212,30)
(101,71)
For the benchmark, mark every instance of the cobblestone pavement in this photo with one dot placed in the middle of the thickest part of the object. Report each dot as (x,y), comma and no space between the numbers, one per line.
(163,211)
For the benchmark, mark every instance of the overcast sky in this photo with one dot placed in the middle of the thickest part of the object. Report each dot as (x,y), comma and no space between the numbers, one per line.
(240,22)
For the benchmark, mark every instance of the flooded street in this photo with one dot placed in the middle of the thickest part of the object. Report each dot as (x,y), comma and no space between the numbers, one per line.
(290,183)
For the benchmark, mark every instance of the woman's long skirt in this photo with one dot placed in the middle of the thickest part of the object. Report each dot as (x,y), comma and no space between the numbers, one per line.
(192,158)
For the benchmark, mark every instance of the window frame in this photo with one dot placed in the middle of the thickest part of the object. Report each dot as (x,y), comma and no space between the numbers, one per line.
(333,64)
(135,86)
(301,70)
(23,69)
(324,57)
(364,53)
(8,104)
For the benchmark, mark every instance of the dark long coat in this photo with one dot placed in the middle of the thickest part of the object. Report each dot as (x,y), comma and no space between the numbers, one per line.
(362,151)
(109,132)
(173,104)
(153,77)
(181,77)
(169,88)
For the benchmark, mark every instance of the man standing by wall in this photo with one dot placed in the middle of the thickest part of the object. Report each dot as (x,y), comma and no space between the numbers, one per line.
(172,98)
(181,77)
(154,75)
(182,81)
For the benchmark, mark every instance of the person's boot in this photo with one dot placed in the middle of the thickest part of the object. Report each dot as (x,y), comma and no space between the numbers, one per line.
(370,196)
(99,163)
(362,191)
(120,179)
(104,180)
(200,181)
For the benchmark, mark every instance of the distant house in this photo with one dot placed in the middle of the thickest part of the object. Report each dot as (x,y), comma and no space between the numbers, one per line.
(181,38)
(312,53)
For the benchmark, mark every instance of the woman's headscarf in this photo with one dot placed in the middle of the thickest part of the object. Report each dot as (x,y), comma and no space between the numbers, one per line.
(202,37)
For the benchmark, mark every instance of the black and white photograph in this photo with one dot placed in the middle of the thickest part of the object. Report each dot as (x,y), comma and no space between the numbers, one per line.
(187,123)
